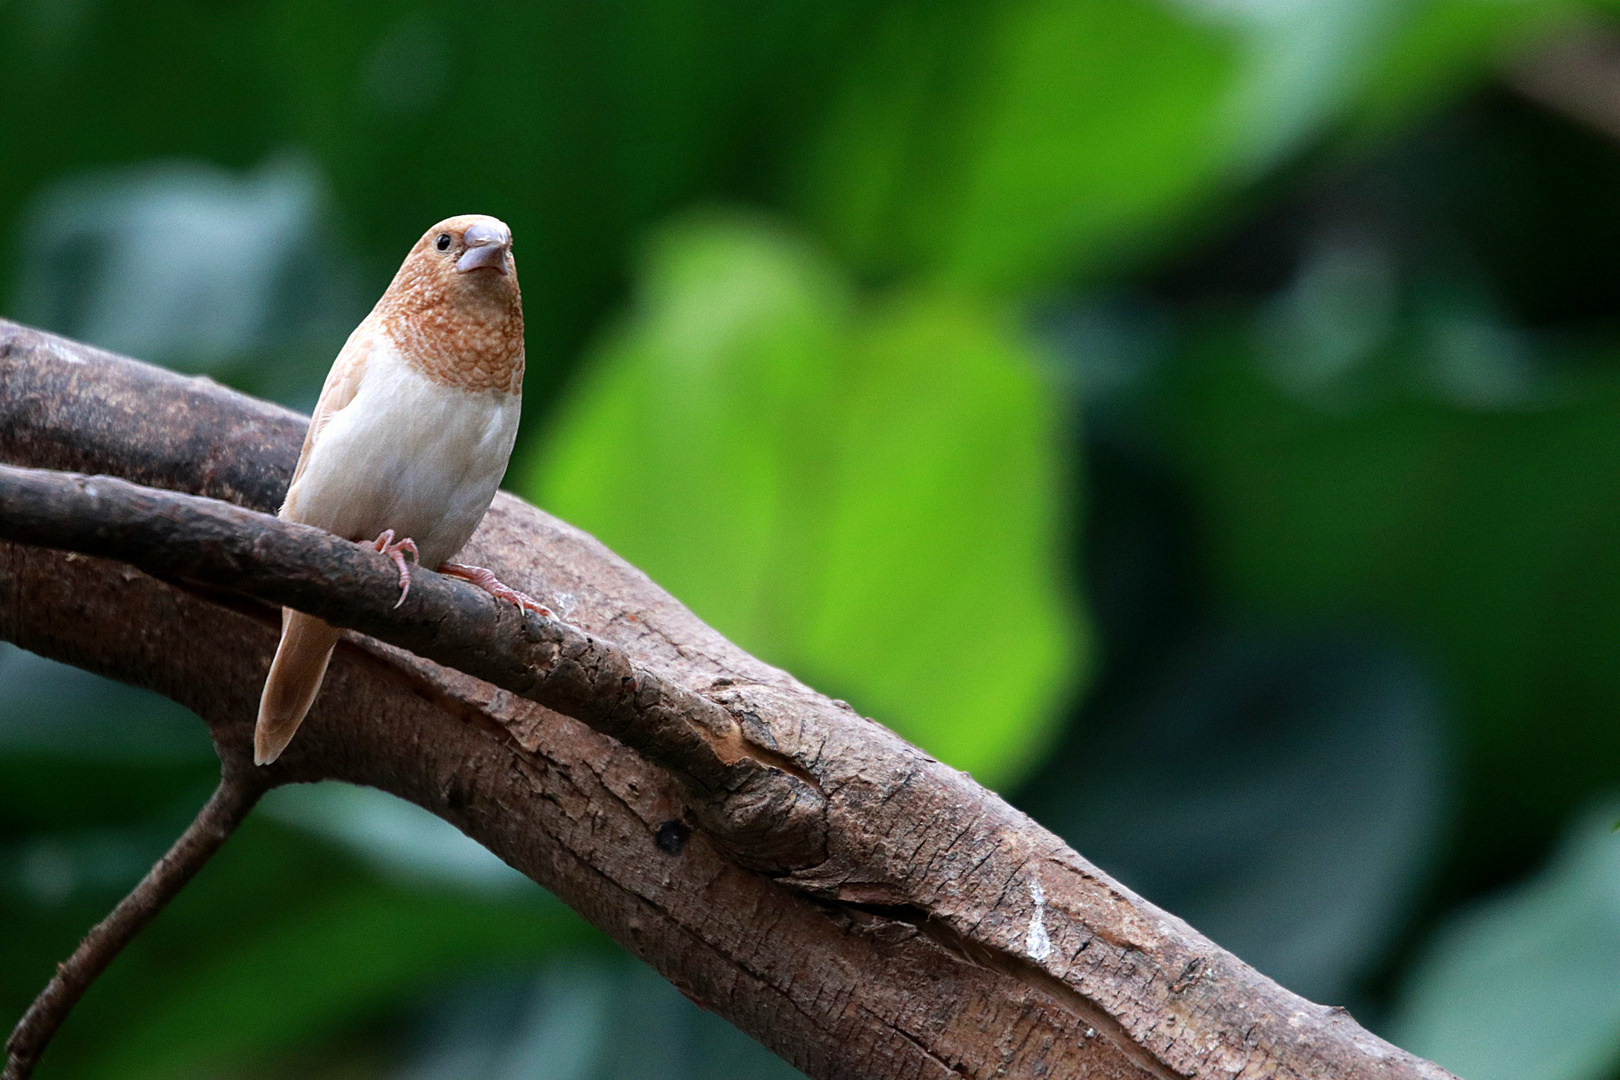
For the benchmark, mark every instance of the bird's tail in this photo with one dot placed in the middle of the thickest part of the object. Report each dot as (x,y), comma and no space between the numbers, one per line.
(295,677)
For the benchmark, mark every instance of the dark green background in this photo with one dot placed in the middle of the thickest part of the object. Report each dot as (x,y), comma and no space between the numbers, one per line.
(1250,368)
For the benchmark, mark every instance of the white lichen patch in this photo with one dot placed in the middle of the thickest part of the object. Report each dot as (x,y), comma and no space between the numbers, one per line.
(1036,941)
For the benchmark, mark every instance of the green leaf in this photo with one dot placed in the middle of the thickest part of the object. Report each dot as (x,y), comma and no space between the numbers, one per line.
(998,145)
(1009,146)
(867,495)
(1522,986)
(1100,120)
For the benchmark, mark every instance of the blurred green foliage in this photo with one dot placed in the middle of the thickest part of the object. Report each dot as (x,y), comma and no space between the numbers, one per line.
(837,487)
(1246,368)
(1522,985)
(1486,532)
(998,146)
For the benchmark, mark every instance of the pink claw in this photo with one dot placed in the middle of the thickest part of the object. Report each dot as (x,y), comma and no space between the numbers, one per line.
(493,585)
(385,545)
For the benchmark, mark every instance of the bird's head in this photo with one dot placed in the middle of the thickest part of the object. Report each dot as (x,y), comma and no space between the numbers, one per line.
(457,295)
(473,251)
(461,268)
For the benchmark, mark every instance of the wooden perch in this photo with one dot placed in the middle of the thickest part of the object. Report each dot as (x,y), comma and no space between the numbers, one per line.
(858,907)
(768,810)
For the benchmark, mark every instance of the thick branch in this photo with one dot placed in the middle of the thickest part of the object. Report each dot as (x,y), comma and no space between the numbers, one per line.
(237,792)
(931,930)
(203,541)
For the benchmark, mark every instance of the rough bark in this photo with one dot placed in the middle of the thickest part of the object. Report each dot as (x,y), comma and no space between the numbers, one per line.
(858,907)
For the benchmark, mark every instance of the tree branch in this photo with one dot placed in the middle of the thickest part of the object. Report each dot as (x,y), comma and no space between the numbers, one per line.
(858,907)
(238,790)
(763,806)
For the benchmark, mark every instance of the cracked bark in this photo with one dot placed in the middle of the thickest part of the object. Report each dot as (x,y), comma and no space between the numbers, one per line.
(792,866)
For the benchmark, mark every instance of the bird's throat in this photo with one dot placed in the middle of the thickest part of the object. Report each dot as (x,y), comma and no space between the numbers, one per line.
(458,337)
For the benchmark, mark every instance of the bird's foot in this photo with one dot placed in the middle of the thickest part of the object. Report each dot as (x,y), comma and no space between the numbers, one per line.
(385,545)
(493,585)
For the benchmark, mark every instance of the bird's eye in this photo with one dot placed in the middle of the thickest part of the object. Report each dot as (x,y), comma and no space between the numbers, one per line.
(444,241)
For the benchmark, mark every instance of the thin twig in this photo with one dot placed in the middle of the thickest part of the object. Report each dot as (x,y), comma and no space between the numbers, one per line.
(238,790)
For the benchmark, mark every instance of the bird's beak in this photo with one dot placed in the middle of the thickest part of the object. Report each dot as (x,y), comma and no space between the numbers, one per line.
(486,247)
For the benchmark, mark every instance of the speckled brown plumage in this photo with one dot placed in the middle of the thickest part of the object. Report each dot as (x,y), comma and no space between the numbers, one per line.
(462,330)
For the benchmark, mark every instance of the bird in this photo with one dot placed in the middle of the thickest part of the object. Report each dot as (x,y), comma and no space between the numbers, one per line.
(409,439)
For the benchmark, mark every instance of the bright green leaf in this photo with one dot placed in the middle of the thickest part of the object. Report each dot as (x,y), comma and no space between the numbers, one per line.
(842,489)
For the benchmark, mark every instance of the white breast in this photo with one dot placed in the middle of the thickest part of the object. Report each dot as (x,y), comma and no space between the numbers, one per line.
(408,454)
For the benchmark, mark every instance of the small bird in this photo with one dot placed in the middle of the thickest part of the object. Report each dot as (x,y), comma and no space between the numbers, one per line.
(410,438)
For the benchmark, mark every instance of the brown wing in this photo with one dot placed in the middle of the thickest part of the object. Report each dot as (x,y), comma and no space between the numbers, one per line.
(342,382)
